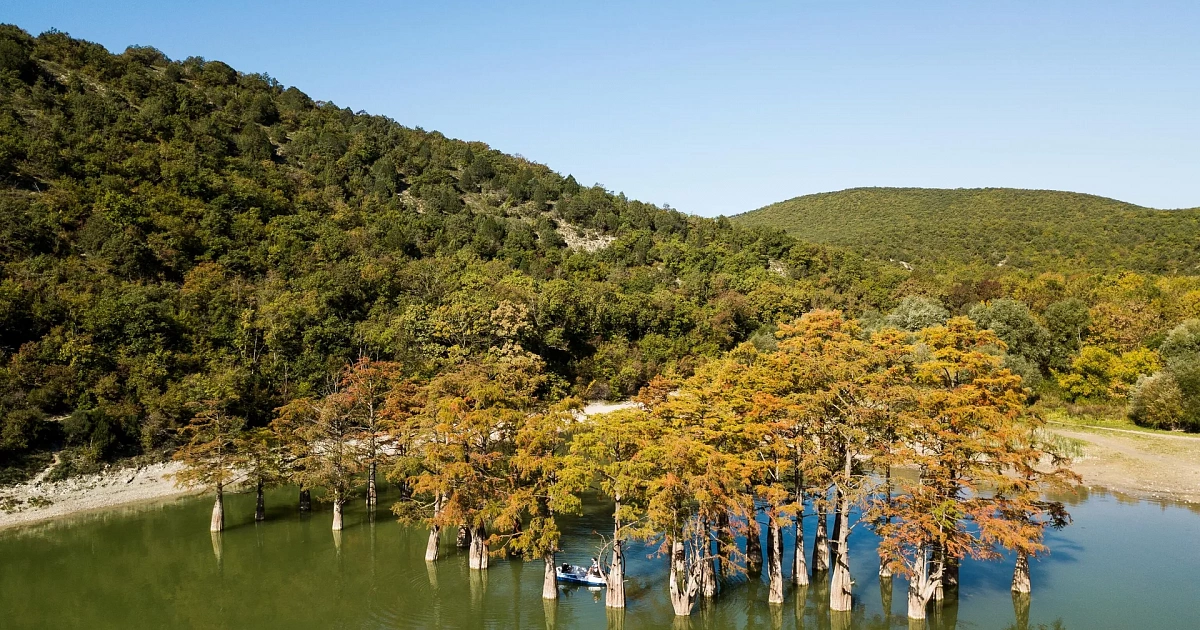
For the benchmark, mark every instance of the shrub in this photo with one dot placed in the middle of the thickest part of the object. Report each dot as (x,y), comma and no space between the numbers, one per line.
(1158,403)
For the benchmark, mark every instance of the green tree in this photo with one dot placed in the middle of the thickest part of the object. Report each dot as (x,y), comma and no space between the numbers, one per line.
(916,312)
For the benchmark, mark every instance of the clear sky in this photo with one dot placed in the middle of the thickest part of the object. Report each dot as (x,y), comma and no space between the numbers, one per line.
(718,108)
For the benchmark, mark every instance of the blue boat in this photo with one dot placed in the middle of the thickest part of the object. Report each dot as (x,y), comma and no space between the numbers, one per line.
(572,574)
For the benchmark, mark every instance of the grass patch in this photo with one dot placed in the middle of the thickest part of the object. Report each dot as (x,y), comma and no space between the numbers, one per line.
(1094,416)
(1073,448)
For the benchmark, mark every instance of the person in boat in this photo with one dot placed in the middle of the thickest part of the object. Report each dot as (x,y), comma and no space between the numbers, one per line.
(595,568)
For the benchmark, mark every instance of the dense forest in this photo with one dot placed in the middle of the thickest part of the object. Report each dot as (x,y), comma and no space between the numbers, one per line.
(164,221)
(170,229)
(1030,229)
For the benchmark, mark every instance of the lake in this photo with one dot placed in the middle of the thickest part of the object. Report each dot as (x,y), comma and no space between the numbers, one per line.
(1122,564)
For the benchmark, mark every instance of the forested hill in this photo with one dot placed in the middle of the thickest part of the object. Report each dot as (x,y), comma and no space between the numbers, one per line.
(1031,229)
(165,225)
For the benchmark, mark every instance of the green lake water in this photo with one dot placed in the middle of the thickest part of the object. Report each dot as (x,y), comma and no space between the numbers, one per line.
(1123,564)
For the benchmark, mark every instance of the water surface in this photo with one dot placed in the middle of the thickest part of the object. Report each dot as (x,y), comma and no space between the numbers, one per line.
(1123,564)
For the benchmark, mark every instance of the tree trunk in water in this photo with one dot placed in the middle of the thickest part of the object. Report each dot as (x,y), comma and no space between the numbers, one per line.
(478,557)
(681,581)
(835,535)
(1020,581)
(950,573)
(841,586)
(916,603)
(885,568)
(726,545)
(754,550)
(371,497)
(774,561)
(463,539)
(337,511)
(431,547)
(708,567)
(799,564)
(305,500)
(820,554)
(260,507)
(939,558)
(218,513)
(435,534)
(921,586)
(550,580)
(616,578)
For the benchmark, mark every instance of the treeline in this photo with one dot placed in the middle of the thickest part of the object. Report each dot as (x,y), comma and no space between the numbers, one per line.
(1026,229)
(751,443)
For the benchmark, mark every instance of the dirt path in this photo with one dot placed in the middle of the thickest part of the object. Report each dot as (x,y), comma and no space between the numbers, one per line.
(1147,465)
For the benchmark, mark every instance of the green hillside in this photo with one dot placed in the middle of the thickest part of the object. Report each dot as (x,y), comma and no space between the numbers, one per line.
(1034,229)
(166,224)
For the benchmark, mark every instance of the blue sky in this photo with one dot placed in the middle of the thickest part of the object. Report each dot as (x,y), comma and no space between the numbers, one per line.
(718,108)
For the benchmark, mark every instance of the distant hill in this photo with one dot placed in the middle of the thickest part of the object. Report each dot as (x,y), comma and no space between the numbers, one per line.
(1034,229)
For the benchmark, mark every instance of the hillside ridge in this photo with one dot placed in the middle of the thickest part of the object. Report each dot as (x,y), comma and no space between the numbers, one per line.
(1027,228)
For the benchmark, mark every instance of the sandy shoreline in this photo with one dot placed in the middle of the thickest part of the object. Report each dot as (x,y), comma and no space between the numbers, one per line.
(1143,465)
(122,486)
(39,500)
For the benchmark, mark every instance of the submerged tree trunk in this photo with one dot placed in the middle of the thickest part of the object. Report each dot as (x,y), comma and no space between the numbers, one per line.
(950,573)
(725,545)
(549,580)
(708,567)
(371,497)
(754,550)
(799,564)
(683,582)
(774,561)
(1020,581)
(836,534)
(478,557)
(841,586)
(939,559)
(218,512)
(820,553)
(615,597)
(885,567)
(463,539)
(260,506)
(432,546)
(337,511)
(305,500)
(921,586)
